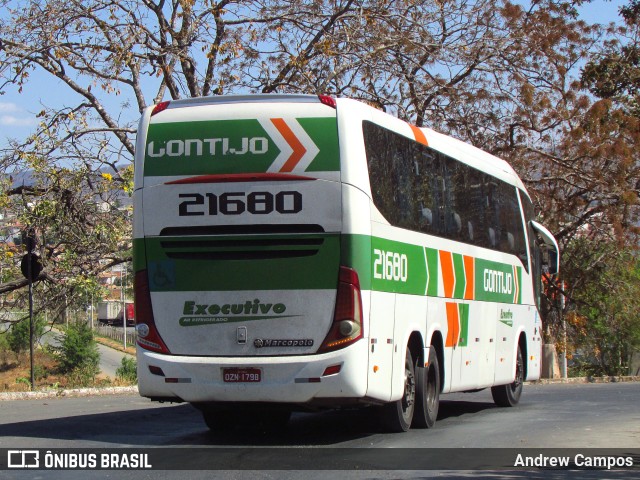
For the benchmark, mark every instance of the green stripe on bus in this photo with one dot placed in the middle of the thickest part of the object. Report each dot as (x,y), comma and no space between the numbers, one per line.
(379,263)
(324,133)
(458,267)
(433,267)
(355,252)
(382,265)
(232,146)
(494,282)
(398,267)
(139,255)
(463,309)
(208,147)
(254,267)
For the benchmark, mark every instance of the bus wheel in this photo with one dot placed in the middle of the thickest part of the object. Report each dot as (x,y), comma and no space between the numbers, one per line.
(427,392)
(397,416)
(509,395)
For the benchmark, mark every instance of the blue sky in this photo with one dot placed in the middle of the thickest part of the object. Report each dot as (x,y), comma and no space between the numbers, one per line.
(18,110)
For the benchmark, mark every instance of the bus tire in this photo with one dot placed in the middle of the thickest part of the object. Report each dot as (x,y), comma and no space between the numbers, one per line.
(397,416)
(427,392)
(509,395)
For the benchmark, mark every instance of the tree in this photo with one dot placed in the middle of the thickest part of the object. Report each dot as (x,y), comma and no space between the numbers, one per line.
(18,335)
(593,203)
(604,315)
(78,351)
(614,73)
(117,57)
(128,370)
(503,76)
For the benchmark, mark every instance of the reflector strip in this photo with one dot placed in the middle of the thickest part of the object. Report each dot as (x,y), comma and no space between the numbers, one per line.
(332,370)
(308,380)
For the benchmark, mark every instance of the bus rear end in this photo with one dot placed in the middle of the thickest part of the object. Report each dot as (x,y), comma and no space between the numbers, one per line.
(240,292)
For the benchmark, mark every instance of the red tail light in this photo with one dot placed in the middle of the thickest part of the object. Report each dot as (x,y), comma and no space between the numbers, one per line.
(159,108)
(327,100)
(346,328)
(148,336)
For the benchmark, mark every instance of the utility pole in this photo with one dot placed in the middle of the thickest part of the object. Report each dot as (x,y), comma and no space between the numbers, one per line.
(123,308)
(31,268)
(564,329)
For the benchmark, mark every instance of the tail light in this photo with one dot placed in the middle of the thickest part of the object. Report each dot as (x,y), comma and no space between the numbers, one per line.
(160,107)
(328,101)
(148,336)
(346,328)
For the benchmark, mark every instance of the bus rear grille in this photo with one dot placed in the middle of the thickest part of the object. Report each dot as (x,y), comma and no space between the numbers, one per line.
(241,249)
(265,229)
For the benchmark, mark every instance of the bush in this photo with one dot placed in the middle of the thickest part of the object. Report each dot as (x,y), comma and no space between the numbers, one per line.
(127,371)
(78,352)
(83,376)
(18,335)
(4,347)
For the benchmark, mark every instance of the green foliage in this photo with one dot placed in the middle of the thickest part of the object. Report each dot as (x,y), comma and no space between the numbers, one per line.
(78,353)
(604,319)
(82,376)
(18,335)
(615,73)
(23,381)
(128,370)
(4,346)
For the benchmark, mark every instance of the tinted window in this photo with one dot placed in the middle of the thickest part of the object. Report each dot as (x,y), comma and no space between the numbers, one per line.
(421,189)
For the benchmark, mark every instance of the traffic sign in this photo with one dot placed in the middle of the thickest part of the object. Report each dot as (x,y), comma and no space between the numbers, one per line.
(36,266)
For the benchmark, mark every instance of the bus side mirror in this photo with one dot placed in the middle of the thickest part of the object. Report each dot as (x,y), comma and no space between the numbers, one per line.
(549,247)
(550,260)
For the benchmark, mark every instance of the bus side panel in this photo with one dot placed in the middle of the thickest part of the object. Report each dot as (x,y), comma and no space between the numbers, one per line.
(505,344)
(381,355)
(482,339)
(410,316)
(534,346)
(512,320)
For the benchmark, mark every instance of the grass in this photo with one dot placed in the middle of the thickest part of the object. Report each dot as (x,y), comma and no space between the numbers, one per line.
(15,373)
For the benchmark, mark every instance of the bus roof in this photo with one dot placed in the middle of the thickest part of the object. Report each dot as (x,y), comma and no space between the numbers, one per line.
(446,144)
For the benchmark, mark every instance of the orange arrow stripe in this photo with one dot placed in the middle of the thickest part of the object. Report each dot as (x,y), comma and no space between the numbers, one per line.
(294,143)
(469,265)
(419,135)
(453,324)
(448,274)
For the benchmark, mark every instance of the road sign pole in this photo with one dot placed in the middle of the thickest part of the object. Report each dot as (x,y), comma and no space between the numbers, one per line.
(123,309)
(31,325)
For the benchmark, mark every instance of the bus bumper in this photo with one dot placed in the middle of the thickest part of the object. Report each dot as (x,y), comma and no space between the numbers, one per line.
(293,380)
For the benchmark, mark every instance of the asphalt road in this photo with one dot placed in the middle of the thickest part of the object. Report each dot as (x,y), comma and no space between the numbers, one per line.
(110,360)
(550,416)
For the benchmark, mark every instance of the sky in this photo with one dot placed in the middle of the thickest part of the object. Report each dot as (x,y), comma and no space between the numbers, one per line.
(18,110)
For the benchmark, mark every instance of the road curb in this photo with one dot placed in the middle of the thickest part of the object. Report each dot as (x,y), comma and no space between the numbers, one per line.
(89,392)
(621,379)
(74,392)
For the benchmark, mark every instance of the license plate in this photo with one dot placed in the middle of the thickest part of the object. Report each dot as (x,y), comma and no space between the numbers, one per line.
(241,375)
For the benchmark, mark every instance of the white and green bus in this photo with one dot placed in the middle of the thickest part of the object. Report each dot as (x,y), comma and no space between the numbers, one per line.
(304,252)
